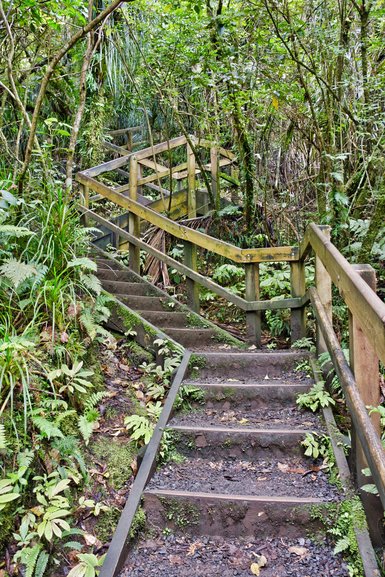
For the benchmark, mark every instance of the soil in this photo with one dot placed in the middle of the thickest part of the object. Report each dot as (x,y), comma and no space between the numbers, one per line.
(182,556)
(246,417)
(292,476)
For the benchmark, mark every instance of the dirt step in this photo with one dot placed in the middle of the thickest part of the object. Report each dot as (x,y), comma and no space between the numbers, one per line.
(109,274)
(247,414)
(221,442)
(194,338)
(249,366)
(145,303)
(163,318)
(225,515)
(267,391)
(128,288)
(288,476)
(180,555)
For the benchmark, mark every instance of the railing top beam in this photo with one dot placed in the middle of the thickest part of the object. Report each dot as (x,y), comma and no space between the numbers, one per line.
(274,254)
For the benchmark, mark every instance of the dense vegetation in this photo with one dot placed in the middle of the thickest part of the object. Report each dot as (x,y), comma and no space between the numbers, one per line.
(294,88)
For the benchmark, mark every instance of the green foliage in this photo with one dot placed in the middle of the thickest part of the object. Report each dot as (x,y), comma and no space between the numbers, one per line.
(88,566)
(316,398)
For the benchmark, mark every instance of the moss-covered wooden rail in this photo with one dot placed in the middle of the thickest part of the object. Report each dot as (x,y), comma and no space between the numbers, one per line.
(359,377)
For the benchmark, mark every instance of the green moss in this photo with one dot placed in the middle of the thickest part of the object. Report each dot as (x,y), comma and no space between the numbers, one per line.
(181,513)
(7,525)
(106,524)
(138,354)
(138,523)
(196,362)
(194,320)
(118,455)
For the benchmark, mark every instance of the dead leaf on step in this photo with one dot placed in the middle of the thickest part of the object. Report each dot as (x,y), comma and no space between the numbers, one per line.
(255,569)
(261,478)
(283,467)
(194,547)
(134,466)
(175,559)
(91,540)
(267,378)
(260,562)
(243,421)
(300,551)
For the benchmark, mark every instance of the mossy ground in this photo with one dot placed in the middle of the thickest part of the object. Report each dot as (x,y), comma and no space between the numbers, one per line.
(117,455)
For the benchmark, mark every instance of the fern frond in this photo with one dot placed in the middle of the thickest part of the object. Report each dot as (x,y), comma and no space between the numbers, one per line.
(94,399)
(91,283)
(83,263)
(89,324)
(16,231)
(41,564)
(86,428)
(17,271)
(46,427)
(3,438)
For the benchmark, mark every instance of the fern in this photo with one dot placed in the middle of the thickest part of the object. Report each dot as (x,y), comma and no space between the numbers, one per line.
(83,263)
(89,324)
(91,283)
(41,564)
(15,231)
(17,271)
(342,545)
(3,438)
(94,399)
(46,427)
(86,427)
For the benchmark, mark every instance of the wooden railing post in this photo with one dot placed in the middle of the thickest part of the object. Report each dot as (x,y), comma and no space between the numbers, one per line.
(133,219)
(298,288)
(85,201)
(215,176)
(253,318)
(323,285)
(191,194)
(192,287)
(365,366)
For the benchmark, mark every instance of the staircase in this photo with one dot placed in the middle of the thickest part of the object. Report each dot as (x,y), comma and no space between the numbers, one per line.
(242,484)
(158,308)
(241,498)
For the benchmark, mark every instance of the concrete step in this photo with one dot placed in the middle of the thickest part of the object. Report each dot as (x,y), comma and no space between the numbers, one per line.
(202,513)
(169,318)
(193,338)
(145,303)
(217,442)
(107,263)
(247,367)
(265,391)
(128,288)
(108,274)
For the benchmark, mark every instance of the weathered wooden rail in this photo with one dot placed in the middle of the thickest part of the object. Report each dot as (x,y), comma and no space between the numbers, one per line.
(360,377)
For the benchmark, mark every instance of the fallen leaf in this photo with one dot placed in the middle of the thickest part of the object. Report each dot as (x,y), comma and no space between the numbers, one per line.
(255,569)
(261,560)
(134,466)
(300,551)
(89,539)
(193,547)
(243,421)
(283,467)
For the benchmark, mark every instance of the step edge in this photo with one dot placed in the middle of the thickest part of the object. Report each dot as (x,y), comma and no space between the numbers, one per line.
(236,497)
(192,429)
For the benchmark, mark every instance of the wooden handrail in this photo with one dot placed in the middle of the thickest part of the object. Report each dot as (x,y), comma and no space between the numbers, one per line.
(220,247)
(243,304)
(366,432)
(361,300)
